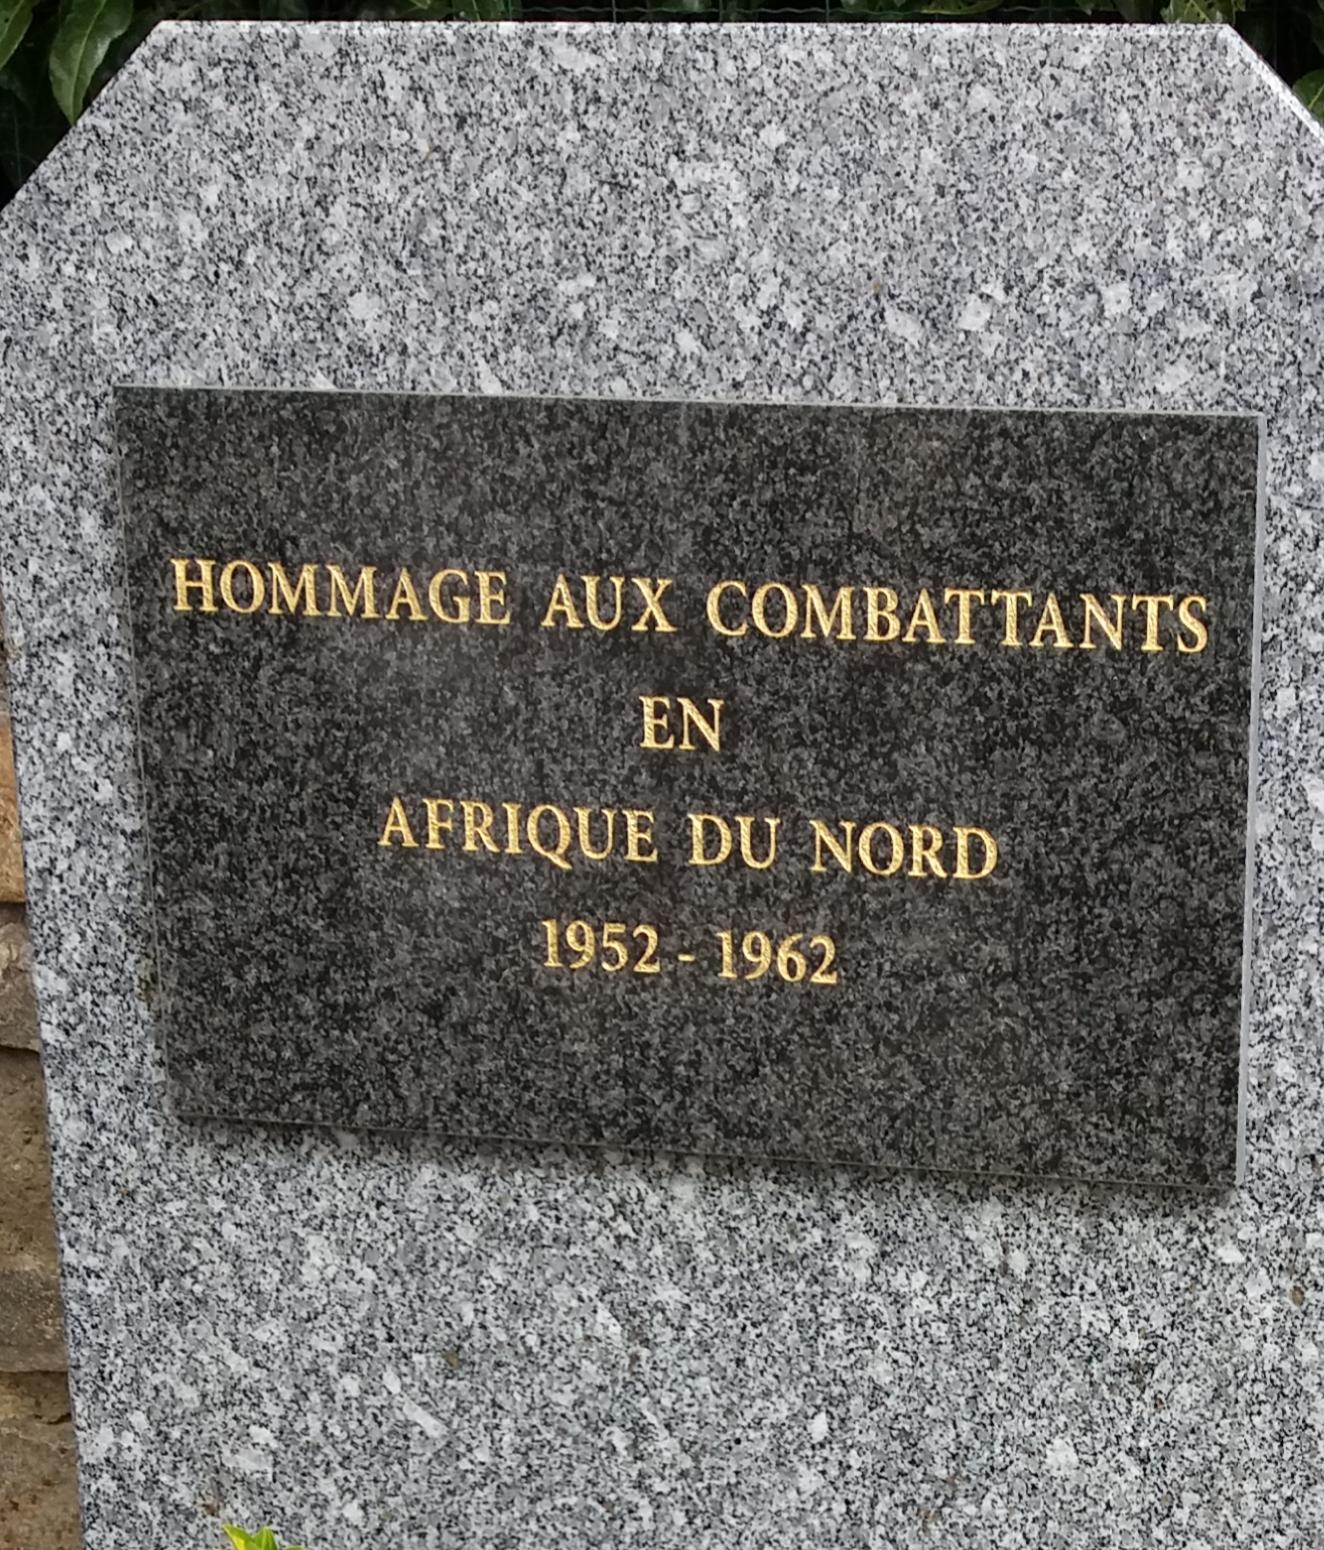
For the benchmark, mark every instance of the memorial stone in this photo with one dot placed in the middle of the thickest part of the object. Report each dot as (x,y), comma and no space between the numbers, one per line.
(536,805)
(920,308)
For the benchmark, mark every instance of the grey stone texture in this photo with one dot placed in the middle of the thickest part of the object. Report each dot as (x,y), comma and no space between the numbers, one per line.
(438,1345)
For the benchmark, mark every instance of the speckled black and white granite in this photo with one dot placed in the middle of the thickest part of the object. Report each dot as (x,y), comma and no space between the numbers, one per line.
(1072,1006)
(438,1346)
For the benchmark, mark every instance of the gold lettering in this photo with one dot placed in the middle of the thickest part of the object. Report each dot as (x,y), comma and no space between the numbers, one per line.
(880,603)
(406,596)
(963,597)
(437,597)
(709,730)
(654,617)
(257,586)
(1151,602)
(925,845)
(557,851)
(203,582)
(478,817)
(439,811)
(715,607)
(397,827)
(1051,620)
(656,725)
(1095,613)
(363,596)
(866,849)
(964,834)
(582,819)
(562,603)
(745,829)
(303,594)
(699,825)
(789,607)
(1011,605)
(591,601)
(639,835)
(491,597)
(838,618)
(840,853)
(924,618)
(511,810)
(1199,634)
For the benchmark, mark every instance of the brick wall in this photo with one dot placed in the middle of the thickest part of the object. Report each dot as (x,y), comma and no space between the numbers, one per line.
(38,1502)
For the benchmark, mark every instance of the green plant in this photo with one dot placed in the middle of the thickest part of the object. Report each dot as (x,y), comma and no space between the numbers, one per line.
(264,1539)
(55,55)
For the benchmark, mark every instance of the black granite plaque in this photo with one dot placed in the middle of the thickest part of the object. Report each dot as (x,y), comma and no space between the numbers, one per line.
(845,784)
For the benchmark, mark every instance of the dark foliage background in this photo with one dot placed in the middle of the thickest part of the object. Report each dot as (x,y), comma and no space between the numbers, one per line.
(56,54)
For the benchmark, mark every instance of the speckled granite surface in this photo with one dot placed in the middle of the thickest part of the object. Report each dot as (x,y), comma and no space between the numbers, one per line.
(1072,1007)
(443,1346)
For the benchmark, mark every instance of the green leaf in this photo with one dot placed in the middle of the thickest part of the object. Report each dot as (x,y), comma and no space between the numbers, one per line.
(30,123)
(13,83)
(1260,29)
(87,29)
(1310,90)
(957,8)
(264,1539)
(1209,11)
(14,18)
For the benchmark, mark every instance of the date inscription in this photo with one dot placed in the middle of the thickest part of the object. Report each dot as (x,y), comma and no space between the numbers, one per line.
(619,947)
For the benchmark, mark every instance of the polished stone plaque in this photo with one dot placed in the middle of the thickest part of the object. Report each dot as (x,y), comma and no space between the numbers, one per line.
(845,784)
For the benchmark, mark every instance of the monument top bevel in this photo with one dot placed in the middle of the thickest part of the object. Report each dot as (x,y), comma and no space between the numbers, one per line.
(239,171)
(384,176)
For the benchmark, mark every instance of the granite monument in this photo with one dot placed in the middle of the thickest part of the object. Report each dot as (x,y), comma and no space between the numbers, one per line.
(410,1339)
